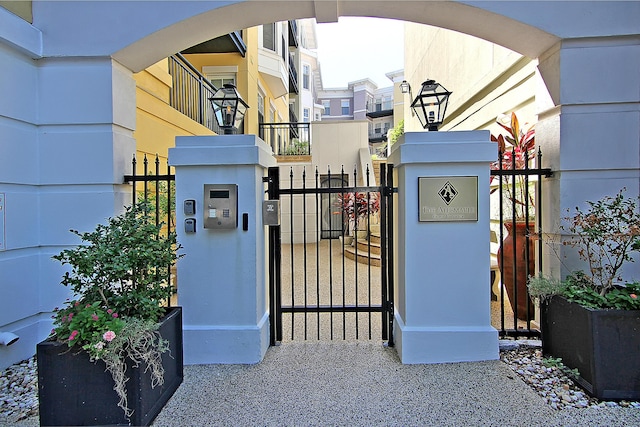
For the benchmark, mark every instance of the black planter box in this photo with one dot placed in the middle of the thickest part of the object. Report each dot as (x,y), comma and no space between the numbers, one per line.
(604,345)
(74,391)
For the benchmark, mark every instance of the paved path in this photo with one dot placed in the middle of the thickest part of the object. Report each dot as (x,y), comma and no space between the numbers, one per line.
(364,384)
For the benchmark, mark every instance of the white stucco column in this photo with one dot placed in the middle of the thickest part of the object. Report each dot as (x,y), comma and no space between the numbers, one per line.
(442,307)
(590,140)
(222,285)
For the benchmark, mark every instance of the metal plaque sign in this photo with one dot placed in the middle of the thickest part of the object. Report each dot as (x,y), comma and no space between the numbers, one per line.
(448,198)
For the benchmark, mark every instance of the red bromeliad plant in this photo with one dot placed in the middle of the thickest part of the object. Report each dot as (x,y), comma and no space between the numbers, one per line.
(516,150)
(355,206)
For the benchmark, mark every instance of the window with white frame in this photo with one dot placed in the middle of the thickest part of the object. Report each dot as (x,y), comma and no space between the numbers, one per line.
(326,104)
(269,36)
(306,76)
(346,107)
(222,79)
(305,115)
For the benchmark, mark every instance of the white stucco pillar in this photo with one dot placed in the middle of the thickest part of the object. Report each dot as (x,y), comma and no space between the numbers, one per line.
(442,306)
(222,285)
(591,139)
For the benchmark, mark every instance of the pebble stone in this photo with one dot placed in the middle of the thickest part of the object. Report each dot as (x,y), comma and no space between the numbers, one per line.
(19,392)
(550,382)
(19,383)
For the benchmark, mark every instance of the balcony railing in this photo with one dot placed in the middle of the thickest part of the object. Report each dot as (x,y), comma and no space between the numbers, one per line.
(293,34)
(287,139)
(293,75)
(190,92)
(380,108)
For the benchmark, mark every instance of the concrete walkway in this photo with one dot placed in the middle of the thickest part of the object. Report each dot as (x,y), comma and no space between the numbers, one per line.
(364,384)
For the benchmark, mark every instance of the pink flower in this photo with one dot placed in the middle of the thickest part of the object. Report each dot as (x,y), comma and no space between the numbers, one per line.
(99,345)
(87,306)
(70,316)
(94,317)
(109,311)
(109,336)
(634,296)
(73,335)
(76,304)
(115,315)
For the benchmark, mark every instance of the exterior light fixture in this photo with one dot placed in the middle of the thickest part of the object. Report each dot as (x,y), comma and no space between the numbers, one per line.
(430,105)
(228,108)
(405,87)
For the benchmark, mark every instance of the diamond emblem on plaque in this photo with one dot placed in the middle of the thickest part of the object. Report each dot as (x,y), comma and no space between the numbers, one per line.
(448,193)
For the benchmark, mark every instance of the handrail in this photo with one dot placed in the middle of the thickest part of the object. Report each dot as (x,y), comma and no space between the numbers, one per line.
(190,92)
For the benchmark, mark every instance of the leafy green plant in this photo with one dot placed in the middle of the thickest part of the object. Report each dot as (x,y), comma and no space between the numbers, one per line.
(118,277)
(556,362)
(606,235)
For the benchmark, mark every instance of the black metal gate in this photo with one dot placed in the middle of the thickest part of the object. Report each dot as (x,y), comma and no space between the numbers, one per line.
(321,286)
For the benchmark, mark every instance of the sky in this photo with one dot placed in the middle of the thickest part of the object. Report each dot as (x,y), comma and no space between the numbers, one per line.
(355,48)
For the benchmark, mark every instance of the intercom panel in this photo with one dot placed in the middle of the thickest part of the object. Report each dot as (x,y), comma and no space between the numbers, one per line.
(220,206)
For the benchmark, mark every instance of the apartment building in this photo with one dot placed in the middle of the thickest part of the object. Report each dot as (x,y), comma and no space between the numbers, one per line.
(363,100)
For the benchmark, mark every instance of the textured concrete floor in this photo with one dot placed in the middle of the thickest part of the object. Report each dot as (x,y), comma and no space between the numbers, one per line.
(364,384)
(359,383)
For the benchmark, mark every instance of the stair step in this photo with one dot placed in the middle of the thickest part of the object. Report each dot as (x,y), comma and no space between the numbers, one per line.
(363,247)
(363,257)
(374,238)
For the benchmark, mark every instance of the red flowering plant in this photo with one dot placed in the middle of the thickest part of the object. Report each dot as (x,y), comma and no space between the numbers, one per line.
(516,150)
(356,206)
(119,280)
(605,235)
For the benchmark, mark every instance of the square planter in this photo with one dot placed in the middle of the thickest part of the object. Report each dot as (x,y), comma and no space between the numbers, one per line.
(74,391)
(602,344)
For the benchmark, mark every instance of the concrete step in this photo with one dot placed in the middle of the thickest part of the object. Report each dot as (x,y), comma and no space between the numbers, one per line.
(362,257)
(365,245)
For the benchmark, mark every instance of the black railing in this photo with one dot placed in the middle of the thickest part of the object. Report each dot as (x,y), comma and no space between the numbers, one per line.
(190,93)
(520,225)
(293,33)
(379,108)
(158,191)
(293,75)
(287,139)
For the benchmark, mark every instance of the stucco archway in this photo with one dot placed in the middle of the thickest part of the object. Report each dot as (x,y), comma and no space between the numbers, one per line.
(72,98)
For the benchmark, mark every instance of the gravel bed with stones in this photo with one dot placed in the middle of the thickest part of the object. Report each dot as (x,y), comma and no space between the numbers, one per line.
(549,380)
(19,385)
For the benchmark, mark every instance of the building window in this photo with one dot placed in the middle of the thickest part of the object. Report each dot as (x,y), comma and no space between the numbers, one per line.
(327,107)
(346,107)
(219,80)
(305,76)
(260,115)
(305,115)
(317,116)
(269,36)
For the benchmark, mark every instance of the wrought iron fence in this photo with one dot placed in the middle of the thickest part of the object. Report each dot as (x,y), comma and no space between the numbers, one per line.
(287,139)
(158,191)
(519,215)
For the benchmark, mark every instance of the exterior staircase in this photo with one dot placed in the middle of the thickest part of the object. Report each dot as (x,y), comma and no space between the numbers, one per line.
(366,250)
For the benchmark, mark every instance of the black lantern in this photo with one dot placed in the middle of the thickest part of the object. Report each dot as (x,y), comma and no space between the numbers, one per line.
(229,108)
(431,104)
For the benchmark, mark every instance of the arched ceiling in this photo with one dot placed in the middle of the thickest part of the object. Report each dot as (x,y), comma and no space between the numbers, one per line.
(138,34)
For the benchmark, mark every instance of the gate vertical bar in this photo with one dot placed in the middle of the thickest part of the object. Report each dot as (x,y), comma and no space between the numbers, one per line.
(275,310)
(383,251)
(390,258)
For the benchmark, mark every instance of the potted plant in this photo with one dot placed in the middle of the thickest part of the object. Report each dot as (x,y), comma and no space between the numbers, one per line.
(115,353)
(592,319)
(516,151)
(355,207)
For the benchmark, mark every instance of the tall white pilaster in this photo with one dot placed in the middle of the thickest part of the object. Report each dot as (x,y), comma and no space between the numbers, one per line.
(442,307)
(222,284)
